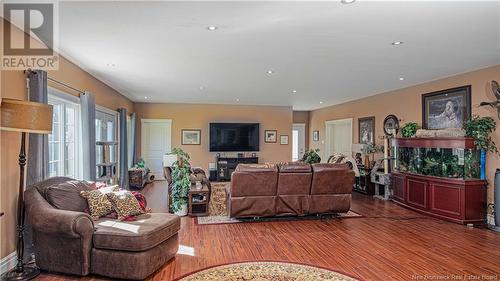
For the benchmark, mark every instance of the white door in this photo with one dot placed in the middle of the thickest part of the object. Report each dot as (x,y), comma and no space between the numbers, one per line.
(338,138)
(155,142)
(298,141)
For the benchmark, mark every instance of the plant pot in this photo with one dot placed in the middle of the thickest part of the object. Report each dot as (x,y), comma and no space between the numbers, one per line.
(183,211)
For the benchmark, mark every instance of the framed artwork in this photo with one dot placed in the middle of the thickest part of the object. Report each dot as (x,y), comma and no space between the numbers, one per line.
(191,137)
(316,135)
(366,130)
(448,108)
(284,139)
(270,135)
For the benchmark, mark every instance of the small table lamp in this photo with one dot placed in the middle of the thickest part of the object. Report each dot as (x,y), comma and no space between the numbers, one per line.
(24,117)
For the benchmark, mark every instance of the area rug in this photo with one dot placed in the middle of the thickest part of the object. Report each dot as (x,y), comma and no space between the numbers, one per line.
(217,213)
(266,271)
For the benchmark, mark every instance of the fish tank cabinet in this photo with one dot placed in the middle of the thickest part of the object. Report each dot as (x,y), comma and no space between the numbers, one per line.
(439,177)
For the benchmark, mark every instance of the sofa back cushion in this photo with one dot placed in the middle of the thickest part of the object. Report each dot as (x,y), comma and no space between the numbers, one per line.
(294,167)
(254,180)
(331,179)
(66,195)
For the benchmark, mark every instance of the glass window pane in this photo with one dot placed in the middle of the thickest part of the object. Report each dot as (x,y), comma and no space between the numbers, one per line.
(70,115)
(98,129)
(110,131)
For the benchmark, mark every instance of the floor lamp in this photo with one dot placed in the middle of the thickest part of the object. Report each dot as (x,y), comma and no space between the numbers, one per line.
(24,117)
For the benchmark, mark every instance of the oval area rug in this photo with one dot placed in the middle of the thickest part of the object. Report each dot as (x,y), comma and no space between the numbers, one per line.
(266,271)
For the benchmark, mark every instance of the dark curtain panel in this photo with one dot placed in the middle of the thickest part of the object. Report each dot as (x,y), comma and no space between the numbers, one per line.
(38,150)
(132,144)
(87,103)
(123,173)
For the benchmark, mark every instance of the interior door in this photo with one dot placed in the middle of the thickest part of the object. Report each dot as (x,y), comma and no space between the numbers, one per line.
(338,138)
(155,142)
(298,141)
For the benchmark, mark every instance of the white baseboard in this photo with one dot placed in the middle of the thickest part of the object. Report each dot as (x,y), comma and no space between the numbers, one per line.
(8,262)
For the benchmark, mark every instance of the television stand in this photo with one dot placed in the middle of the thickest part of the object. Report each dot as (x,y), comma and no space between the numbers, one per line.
(227,165)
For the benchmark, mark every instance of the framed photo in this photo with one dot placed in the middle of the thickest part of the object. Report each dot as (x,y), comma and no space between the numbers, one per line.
(366,130)
(191,137)
(316,135)
(448,108)
(284,139)
(270,135)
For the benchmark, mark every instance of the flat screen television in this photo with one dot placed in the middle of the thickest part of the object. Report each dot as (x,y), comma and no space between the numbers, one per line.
(234,137)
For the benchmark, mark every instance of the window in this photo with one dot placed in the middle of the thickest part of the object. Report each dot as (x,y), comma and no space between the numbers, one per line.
(64,141)
(105,130)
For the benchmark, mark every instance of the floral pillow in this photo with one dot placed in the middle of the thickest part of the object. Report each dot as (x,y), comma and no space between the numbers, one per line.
(99,203)
(125,204)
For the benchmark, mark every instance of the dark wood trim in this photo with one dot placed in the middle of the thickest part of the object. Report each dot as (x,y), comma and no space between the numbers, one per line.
(462,142)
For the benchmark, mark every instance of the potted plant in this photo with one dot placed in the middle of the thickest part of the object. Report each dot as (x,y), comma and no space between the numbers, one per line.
(409,129)
(371,149)
(480,129)
(179,189)
(311,156)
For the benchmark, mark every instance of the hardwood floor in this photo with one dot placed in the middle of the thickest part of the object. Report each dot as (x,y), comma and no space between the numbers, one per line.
(388,243)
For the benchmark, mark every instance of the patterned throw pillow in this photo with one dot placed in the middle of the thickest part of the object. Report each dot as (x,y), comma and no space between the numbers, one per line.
(125,204)
(99,203)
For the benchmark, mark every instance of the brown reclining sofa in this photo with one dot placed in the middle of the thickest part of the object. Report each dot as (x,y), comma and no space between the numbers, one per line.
(296,188)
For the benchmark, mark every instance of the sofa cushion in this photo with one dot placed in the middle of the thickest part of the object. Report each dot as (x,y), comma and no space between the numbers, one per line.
(99,203)
(256,168)
(125,204)
(66,195)
(295,167)
(145,233)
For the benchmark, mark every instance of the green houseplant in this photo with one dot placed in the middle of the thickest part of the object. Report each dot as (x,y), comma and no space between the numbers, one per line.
(409,129)
(179,189)
(480,129)
(311,156)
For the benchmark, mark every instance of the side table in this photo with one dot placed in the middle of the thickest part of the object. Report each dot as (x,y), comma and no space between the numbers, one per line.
(198,200)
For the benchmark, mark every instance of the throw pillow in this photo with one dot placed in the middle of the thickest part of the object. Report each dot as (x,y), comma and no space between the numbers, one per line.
(125,204)
(99,203)
(66,195)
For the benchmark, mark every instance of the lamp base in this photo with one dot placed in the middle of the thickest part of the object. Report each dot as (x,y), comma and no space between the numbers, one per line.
(29,272)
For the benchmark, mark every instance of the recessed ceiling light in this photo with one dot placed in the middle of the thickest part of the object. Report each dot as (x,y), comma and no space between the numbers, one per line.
(347,1)
(237,99)
(110,64)
(294,91)
(395,43)
(202,88)
(146,98)
(212,28)
(320,102)
(401,78)
(270,71)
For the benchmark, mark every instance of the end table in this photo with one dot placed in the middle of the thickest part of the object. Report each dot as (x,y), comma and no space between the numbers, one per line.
(198,201)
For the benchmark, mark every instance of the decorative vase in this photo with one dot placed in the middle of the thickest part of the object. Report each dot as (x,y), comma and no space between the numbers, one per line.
(183,211)
(482,171)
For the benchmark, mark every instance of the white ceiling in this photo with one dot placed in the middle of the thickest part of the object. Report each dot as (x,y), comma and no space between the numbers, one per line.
(327,51)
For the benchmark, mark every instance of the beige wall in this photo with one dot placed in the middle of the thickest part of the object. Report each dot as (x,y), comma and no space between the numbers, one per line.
(13,85)
(406,105)
(198,116)
(303,118)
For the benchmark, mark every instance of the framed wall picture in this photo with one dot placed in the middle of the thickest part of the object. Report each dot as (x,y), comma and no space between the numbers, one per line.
(270,136)
(366,130)
(448,108)
(191,137)
(284,139)
(316,135)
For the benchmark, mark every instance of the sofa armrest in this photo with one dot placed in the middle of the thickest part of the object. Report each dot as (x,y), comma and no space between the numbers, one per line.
(46,219)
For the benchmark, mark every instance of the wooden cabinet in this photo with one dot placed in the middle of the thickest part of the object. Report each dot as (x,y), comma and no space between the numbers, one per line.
(456,200)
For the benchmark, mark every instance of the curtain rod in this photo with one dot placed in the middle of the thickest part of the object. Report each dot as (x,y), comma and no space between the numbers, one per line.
(66,85)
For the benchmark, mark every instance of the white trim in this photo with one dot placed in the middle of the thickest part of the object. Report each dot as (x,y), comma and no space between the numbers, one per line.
(302,137)
(8,262)
(165,121)
(327,152)
(106,110)
(156,121)
(63,95)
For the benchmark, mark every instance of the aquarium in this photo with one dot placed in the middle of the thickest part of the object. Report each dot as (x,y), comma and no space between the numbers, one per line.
(456,163)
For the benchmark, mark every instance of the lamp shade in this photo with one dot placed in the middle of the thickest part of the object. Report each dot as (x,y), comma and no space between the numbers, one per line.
(25,116)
